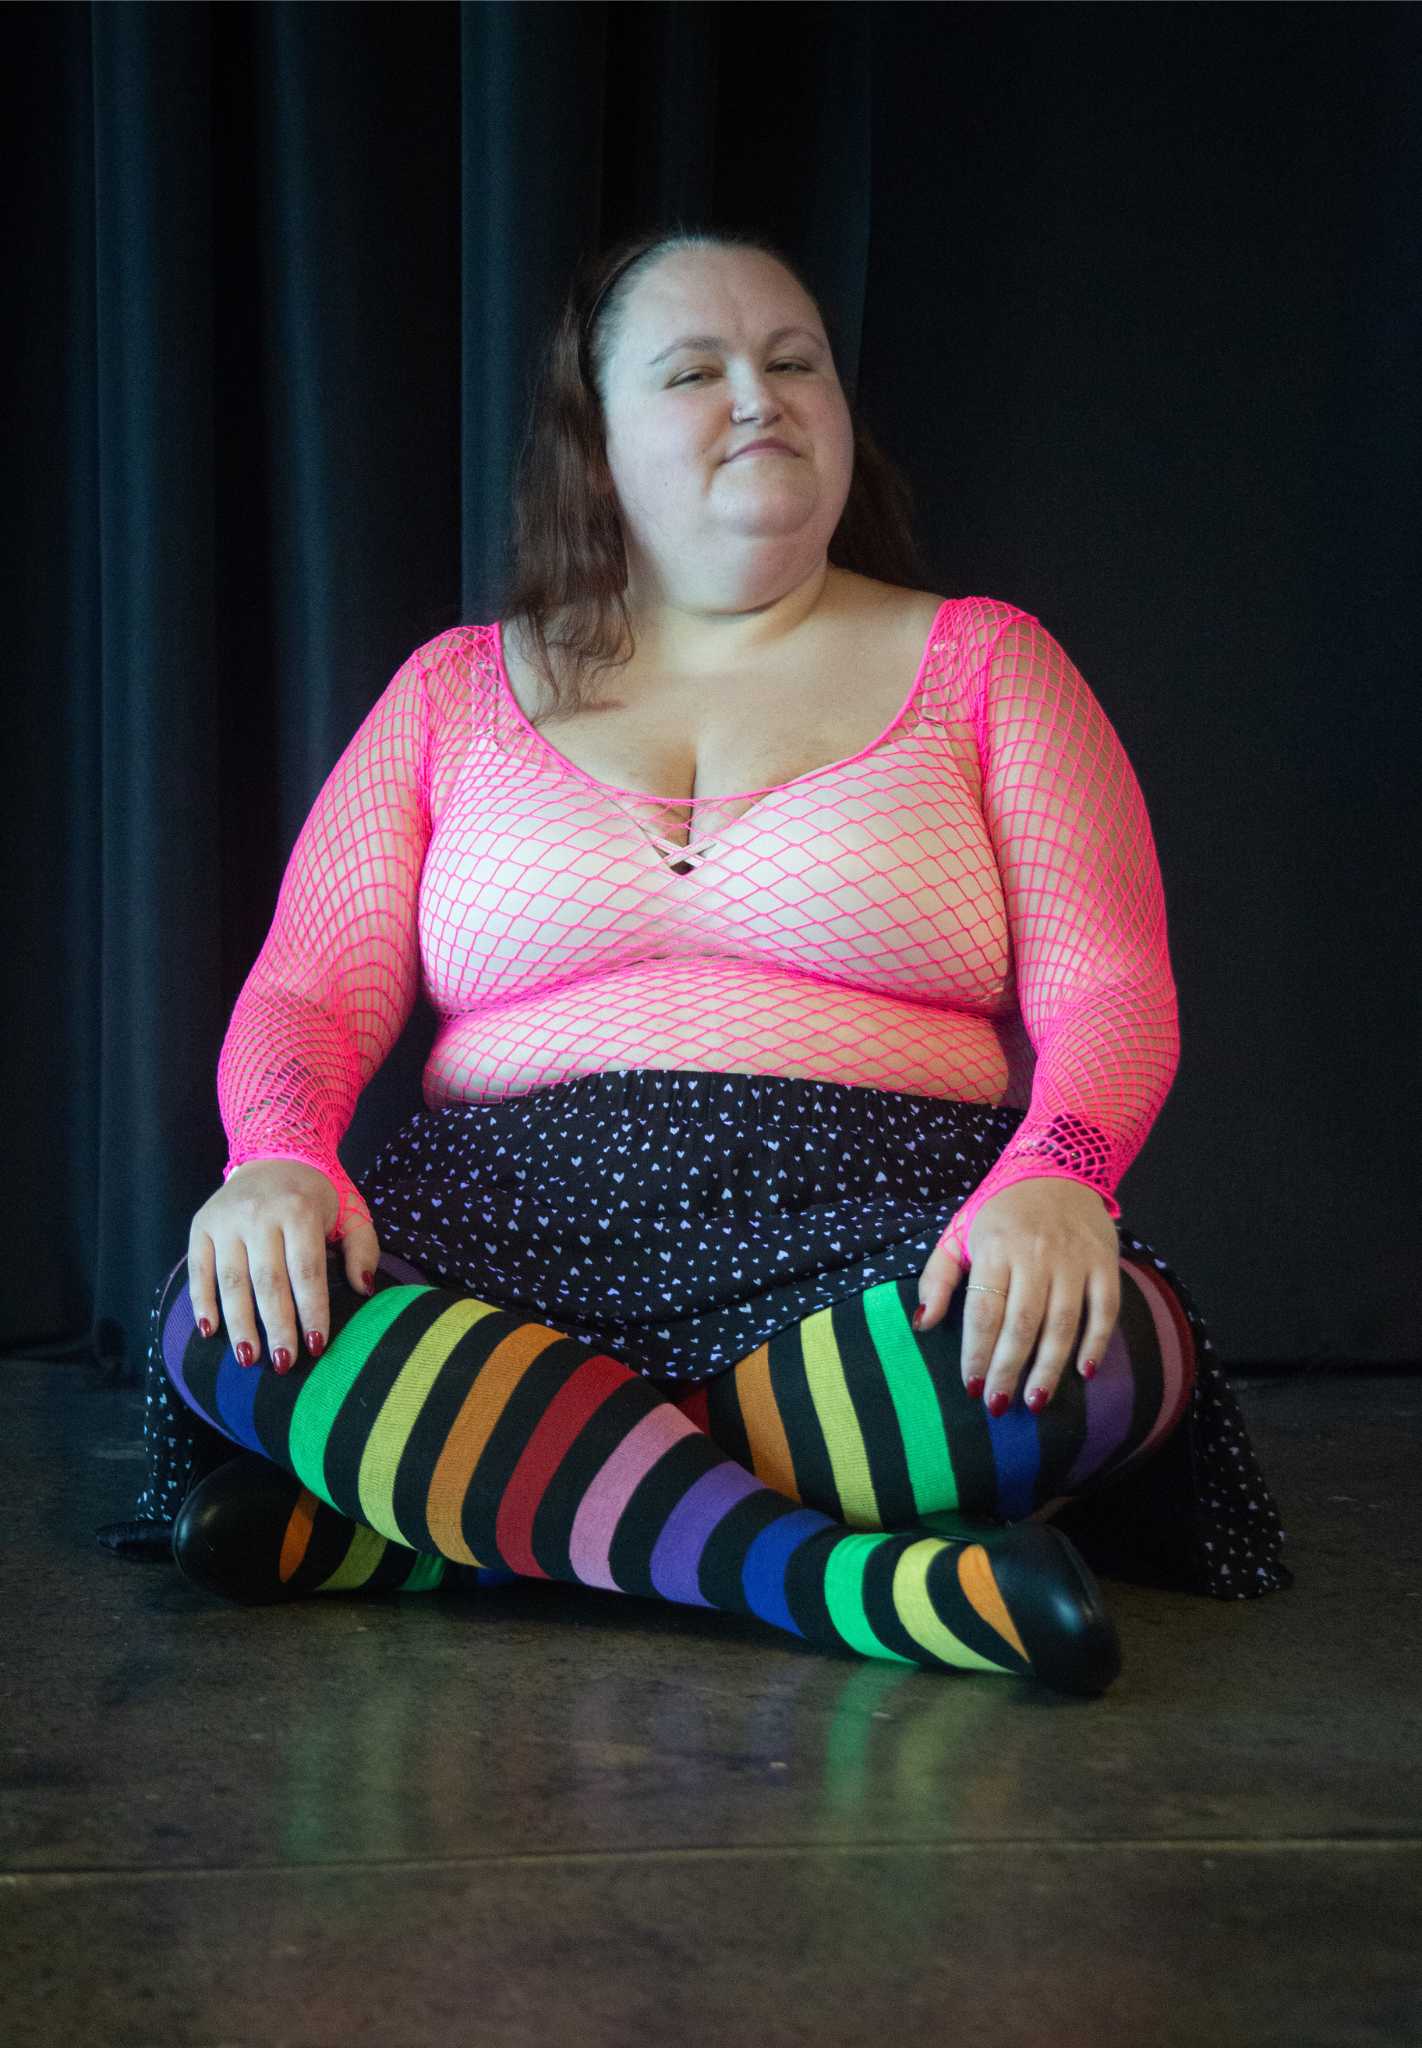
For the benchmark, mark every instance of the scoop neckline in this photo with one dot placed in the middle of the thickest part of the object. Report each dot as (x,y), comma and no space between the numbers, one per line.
(732,795)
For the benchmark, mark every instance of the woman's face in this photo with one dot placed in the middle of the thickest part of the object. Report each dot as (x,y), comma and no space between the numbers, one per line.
(694,518)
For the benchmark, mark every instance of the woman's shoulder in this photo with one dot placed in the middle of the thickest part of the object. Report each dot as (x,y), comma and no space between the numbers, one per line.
(899,606)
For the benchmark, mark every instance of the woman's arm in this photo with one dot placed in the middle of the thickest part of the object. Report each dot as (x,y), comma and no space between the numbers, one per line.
(336,979)
(1086,910)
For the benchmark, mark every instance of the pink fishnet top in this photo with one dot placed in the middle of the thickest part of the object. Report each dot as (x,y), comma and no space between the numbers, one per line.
(970,908)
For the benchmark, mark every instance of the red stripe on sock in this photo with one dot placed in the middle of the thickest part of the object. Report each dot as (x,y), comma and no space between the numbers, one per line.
(558,1430)
(696,1407)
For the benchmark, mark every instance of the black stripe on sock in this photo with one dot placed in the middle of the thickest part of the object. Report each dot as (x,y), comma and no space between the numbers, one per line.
(959,1615)
(652,1501)
(394,1568)
(874,1409)
(202,1357)
(805,1587)
(966,1422)
(727,1424)
(1137,1329)
(879,1596)
(814,1474)
(328,1543)
(439,1411)
(723,1558)
(525,1407)
(357,1415)
(1061,1432)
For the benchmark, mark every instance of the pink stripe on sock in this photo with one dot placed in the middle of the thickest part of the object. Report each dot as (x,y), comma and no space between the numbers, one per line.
(601,1507)
(1172,1334)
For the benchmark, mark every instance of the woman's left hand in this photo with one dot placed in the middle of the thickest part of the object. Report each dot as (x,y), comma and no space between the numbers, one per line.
(1050,1244)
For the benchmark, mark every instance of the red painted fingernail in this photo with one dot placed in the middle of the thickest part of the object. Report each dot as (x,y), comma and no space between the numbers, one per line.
(1088,1371)
(999,1403)
(205,1326)
(918,1315)
(315,1343)
(281,1358)
(368,1280)
(1037,1399)
(244,1354)
(975,1388)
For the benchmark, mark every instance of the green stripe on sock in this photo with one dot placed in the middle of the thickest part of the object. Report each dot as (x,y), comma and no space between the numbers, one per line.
(905,1369)
(844,1595)
(330,1381)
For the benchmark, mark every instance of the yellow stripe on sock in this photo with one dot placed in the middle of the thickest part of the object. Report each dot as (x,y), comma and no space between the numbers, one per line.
(367,1547)
(390,1431)
(839,1425)
(919,1616)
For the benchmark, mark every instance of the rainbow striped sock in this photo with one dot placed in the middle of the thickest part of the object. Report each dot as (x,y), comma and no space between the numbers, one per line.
(467,1432)
(855,1413)
(252,1531)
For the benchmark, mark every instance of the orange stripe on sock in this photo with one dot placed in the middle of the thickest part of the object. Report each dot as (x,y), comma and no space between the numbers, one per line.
(976,1579)
(495,1382)
(765,1432)
(296,1536)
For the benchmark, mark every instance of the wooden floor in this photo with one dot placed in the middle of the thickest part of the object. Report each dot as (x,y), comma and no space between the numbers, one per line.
(548,1815)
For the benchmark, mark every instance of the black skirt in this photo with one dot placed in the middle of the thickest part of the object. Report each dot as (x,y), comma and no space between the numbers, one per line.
(678,1219)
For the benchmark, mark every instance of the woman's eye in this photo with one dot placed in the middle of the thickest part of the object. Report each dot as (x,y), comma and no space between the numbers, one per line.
(691,374)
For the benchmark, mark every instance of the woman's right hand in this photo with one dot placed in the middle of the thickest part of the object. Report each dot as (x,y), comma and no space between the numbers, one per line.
(264,1233)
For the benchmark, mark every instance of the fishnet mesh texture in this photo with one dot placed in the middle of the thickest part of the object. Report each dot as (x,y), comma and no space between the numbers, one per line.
(971,907)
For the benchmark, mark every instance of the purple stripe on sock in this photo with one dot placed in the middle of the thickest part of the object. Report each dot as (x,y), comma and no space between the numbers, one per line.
(676,1560)
(1110,1405)
(236,1385)
(401,1269)
(178,1327)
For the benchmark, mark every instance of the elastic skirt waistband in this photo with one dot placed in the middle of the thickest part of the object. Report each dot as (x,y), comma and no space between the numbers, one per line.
(747,1100)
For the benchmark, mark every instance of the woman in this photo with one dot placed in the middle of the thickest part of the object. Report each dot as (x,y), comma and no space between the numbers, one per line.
(817,961)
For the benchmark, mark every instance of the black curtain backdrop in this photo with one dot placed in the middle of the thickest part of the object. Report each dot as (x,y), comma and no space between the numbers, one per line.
(1131,293)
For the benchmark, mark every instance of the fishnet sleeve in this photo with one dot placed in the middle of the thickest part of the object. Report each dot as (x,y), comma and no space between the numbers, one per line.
(1086,909)
(338,973)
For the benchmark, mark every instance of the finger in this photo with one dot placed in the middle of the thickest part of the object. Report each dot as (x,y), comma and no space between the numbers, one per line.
(1103,1313)
(935,1289)
(361,1250)
(306,1270)
(1061,1329)
(202,1282)
(982,1320)
(267,1257)
(234,1284)
(1018,1329)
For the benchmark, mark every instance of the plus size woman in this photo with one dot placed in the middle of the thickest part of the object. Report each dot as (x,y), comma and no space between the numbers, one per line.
(798,945)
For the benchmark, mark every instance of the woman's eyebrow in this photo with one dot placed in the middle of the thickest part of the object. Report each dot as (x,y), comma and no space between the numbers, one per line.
(718,341)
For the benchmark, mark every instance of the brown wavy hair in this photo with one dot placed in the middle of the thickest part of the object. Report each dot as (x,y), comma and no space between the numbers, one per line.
(567,559)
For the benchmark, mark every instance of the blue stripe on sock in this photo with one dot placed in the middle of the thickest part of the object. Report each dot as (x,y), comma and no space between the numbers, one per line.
(236,1394)
(763,1574)
(1018,1457)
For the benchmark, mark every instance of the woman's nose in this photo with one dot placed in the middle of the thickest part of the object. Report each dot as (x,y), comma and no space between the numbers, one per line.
(754,395)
